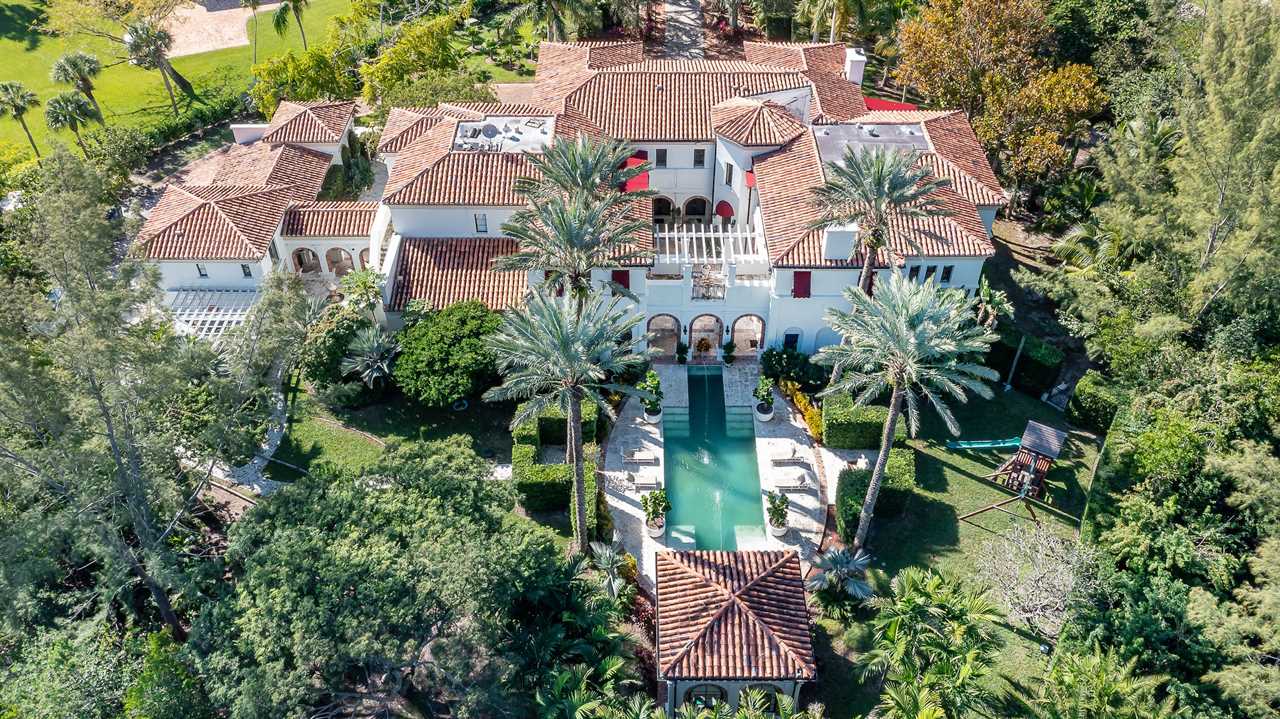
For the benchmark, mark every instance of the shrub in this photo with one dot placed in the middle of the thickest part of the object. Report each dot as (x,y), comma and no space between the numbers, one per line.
(779,503)
(811,414)
(165,688)
(682,352)
(653,385)
(729,348)
(1094,404)
(1037,367)
(764,392)
(783,364)
(445,355)
(589,483)
(549,487)
(551,425)
(895,491)
(851,491)
(845,426)
(326,343)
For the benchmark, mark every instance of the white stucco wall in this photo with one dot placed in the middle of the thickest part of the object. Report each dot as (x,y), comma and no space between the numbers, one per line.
(178,275)
(447,221)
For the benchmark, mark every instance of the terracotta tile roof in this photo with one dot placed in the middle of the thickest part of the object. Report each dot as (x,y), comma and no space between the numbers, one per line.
(835,99)
(952,137)
(406,124)
(329,219)
(214,222)
(826,56)
(483,179)
(732,615)
(514,92)
(321,121)
(262,163)
(963,183)
(785,180)
(752,123)
(591,55)
(481,110)
(443,271)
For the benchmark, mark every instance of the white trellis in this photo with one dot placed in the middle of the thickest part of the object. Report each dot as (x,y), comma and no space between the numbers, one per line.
(209,314)
(706,244)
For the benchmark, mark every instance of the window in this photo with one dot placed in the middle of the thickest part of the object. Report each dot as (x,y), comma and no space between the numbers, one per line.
(801,284)
(482,222)
(929,272)
(660,158)
(791,341)
(946,274)
(699,158)
(728,174)
(246,270)
(275,256)
(202,270)
(704,695)
(621,278)
(914,273)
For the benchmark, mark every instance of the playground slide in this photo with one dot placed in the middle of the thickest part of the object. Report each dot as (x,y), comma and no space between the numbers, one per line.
(986,443)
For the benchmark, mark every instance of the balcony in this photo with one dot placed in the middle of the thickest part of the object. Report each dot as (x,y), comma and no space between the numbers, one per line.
(697,244)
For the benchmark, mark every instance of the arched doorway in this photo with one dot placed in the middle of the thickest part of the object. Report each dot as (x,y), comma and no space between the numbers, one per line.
(306,261)
(666,333)
(705,696)
(663,211)
(724,213)
(339,261)
(748,335)
(364,259)
(704,337)
(695,210)
(825,337)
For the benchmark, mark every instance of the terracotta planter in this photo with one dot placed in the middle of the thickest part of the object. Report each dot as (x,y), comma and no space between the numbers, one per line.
(656,532)
(764,412)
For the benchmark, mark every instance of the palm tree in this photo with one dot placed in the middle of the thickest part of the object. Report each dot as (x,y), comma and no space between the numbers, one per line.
(992,304)
(287,9)
(915,341)
(554,356)
(877,189)
(568,236)
(147,45)
(555,14)
(70,111)
(362,288)
(841,571)
(371,355)
(910,701)
(15,101)
(583,166)
(253,6)
(1096,246)
(638,706)
(610,560)
(79,69)
(1100,686)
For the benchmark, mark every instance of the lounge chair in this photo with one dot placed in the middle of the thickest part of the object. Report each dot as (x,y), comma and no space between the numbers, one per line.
(786,455)
(644,481)
(794,480)
(636,455)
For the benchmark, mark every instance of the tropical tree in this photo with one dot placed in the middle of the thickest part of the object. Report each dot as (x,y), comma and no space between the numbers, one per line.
(253,6)
(841,571)
(79,69)
(147,45)
(992,304)
(554,356)
(290,9)
(597,168)
(910,701)
(15,101)
(915,341)
(70,111)
(1099,685)
(362,288)
(371,356)
(568,236)
(556,15)
(1096,246)
(874,189)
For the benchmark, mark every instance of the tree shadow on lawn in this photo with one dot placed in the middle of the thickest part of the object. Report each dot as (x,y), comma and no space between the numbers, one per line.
(18,23)
(838,687)
(398,417)
(927,529)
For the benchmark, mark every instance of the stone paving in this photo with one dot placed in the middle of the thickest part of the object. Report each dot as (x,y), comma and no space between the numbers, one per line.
(675,384)
(740,381)
(683,34)
(631,431)
(786,434)
(833,460)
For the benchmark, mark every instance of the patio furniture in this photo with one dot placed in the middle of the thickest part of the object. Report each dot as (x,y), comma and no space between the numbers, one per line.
(796,479)
(782,456)
(636,455)
(644,481)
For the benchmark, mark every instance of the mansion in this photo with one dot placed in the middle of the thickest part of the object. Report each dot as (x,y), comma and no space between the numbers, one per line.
(734,149)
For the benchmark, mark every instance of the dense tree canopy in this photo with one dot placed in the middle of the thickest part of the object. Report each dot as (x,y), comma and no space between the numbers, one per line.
(446,354)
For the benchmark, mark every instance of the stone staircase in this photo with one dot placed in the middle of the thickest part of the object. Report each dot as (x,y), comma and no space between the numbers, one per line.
(675,423)
(739,422)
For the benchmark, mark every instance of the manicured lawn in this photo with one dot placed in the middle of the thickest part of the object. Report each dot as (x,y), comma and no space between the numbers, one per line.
(930,533)
(128,94)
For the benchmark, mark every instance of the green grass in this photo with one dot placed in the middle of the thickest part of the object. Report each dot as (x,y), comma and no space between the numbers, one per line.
(930,533)
(129,95)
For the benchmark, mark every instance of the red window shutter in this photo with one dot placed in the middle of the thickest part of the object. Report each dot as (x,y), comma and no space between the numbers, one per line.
(801,284)
(622,277)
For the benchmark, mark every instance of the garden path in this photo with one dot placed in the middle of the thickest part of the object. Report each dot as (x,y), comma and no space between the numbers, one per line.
(683,36)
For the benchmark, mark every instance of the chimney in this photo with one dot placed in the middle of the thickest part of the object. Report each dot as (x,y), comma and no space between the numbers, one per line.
(854,63)
(838,241)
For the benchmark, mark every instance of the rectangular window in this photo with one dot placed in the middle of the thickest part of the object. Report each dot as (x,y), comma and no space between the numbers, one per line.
(929,272)
(202,270)
(946,274)
(621,278)
(275,256)
(801,284)
(246,270)
(728,174)
(699,158)
(660,158)
(482,222)
(913,274)
(790,340)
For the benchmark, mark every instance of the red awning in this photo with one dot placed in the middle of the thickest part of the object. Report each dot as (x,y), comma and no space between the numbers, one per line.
(641,181)
(724,209)
(876,103)
(751,178)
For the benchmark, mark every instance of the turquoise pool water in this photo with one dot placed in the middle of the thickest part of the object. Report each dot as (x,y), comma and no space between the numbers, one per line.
(711,476)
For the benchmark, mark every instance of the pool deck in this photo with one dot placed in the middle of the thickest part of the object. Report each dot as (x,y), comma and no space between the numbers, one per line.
(786,433)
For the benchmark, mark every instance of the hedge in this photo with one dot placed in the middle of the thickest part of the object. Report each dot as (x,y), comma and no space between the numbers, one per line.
(1037,367)
(551,424)
(549,487)
(895,491)
(812,415)
(845,426)
(1094,404)
(589,482)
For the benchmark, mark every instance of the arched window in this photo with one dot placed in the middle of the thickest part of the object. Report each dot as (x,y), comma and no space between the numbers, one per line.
(662,210)
(666,333)
(705,336)
(705,695)
(364,259)
(339,261)
(306,261)
(747,334)
(696,209)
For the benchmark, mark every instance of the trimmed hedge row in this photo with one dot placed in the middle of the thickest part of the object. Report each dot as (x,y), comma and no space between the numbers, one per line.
(845,426)
(1094,404)
(895,491)
(812,415)
(549,487)
(1037,367)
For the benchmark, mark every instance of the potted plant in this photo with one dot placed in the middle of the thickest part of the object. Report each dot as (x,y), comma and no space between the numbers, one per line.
(682,352)
(655,506)
(703,346)
(764,399)
(728,348)
(652,385)
(777,511)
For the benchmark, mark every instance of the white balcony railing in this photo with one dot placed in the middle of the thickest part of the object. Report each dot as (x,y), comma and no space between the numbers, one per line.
(706,245)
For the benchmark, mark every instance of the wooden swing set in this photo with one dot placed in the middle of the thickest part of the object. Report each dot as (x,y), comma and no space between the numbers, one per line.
(1026,470)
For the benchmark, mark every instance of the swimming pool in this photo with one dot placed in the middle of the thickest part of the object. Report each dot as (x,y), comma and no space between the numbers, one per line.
(711,475)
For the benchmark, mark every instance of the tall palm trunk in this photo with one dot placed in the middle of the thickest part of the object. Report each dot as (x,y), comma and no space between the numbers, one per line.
(835,13)
(23,121)
(79,140)
(579,483)
(866,276)
(173,102)
(877,473)
(97,109)
(255,36)
(297,16)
